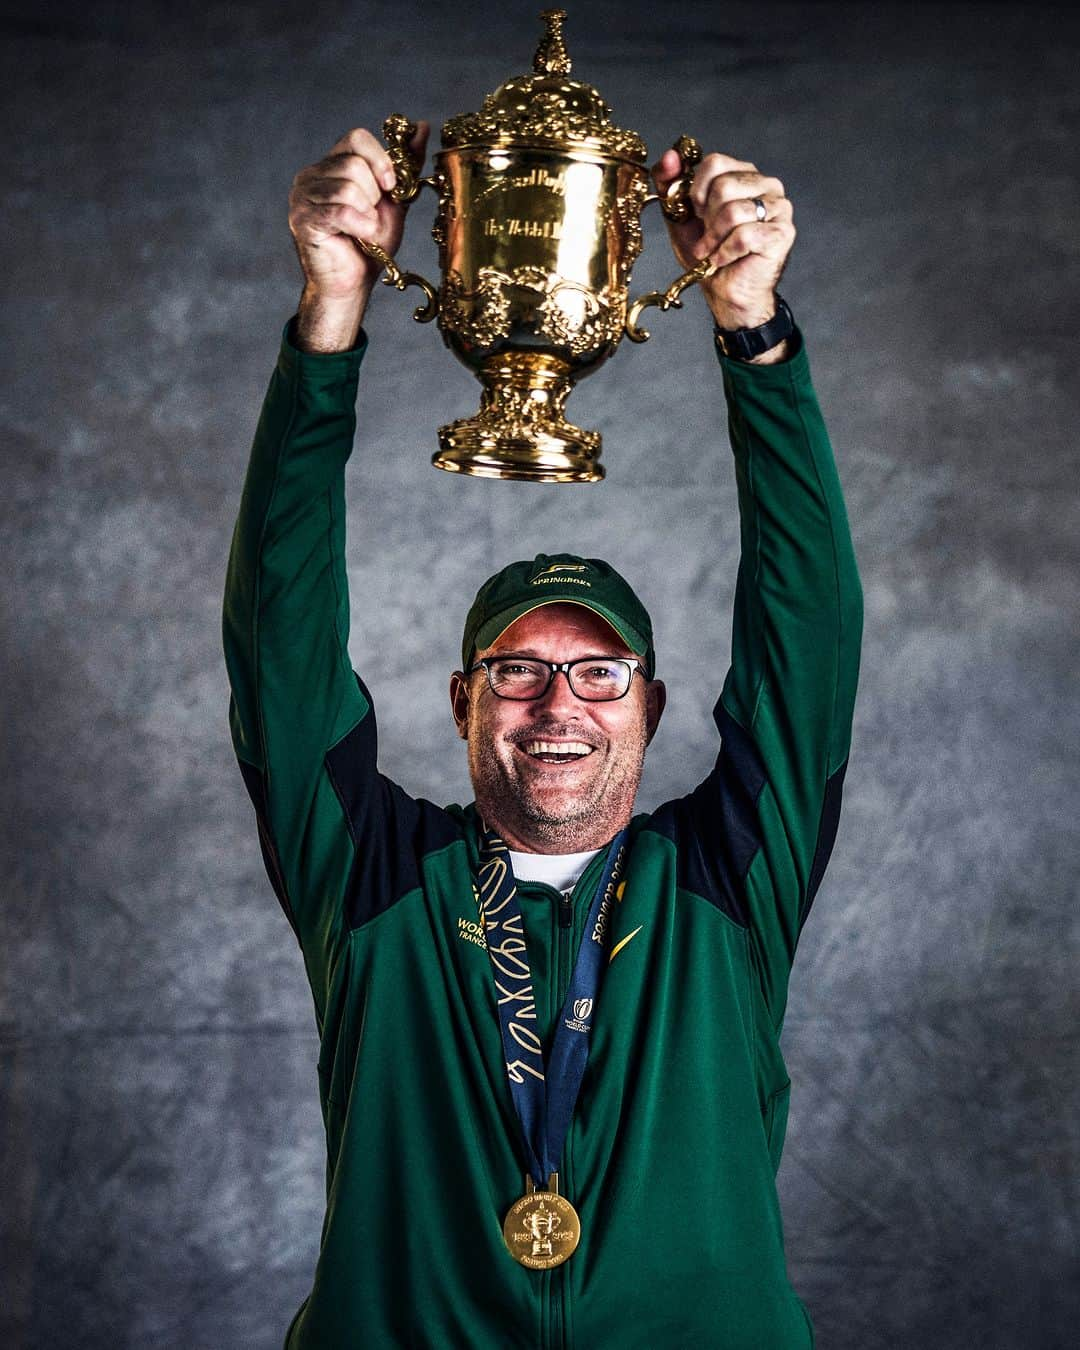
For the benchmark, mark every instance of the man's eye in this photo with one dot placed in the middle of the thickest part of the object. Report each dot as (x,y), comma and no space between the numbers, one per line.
(519,671)
(600,674)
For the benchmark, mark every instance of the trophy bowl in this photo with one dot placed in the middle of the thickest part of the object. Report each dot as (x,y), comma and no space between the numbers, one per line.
(538,227)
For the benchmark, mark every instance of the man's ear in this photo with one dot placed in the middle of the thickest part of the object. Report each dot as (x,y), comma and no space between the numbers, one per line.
(459,702)
(655,702)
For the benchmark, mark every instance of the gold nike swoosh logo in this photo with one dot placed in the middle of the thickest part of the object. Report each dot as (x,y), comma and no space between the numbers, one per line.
(620,945)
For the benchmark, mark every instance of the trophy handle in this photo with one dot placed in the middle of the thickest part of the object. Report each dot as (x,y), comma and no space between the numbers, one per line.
(398,131)
(676,205)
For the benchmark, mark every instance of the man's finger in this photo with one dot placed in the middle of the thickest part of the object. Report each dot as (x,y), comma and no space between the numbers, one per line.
(717,162)
(721,220)
(711,167)
(666,169)
(355,184)
(767,238)
(361,142)
(418,144)
(728,187)
(333,218)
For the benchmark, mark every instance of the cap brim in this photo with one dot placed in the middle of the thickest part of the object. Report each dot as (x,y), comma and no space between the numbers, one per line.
(490,632)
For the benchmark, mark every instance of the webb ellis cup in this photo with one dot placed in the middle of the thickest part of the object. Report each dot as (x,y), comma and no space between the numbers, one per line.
(538,226)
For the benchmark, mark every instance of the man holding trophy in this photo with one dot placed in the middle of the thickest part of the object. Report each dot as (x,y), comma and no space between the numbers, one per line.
(550,1069)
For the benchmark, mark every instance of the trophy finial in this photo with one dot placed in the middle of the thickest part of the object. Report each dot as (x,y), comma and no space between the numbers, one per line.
(551,56)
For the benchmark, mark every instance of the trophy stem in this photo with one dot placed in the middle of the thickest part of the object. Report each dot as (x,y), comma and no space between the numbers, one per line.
(520,431)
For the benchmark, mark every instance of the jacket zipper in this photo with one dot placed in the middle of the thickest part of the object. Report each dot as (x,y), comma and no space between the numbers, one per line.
(565,938)
(555,1289)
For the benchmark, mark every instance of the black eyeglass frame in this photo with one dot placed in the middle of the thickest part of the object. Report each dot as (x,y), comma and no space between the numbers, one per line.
(553,668)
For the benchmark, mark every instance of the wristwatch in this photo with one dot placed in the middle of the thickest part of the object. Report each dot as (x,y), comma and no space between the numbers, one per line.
(746,343)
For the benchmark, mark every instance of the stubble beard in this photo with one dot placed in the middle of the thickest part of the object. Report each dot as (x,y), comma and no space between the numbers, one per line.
(565,822)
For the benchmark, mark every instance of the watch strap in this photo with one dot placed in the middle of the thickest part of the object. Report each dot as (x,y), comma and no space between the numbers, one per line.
(745,343)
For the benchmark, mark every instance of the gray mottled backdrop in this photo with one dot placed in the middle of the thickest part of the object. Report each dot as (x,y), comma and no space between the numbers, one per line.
(161,1146)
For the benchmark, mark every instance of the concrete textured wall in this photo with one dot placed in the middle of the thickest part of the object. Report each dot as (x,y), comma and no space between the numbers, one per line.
(161,1142)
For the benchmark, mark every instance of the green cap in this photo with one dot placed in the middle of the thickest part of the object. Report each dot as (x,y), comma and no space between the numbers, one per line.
(558,579)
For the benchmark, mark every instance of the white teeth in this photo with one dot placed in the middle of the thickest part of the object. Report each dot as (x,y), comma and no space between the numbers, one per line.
(557,748)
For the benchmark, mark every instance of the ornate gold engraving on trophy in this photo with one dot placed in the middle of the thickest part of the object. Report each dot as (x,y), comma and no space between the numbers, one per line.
(538,228)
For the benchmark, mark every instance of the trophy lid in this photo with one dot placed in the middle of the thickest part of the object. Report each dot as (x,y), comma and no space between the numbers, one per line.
(546,108)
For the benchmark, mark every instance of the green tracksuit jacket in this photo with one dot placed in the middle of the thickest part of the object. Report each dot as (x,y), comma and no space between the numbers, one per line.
(673,1149)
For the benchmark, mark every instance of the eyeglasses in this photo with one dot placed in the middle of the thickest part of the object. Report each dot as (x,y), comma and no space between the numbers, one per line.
(596,679)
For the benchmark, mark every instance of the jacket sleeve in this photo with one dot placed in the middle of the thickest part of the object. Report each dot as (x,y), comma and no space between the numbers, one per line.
(756,835)
(286,628)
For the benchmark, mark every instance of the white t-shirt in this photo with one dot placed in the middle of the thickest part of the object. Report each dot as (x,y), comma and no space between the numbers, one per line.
(560,870)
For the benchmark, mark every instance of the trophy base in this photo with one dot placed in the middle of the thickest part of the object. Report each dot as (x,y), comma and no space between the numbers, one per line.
(471,447)
(520,432)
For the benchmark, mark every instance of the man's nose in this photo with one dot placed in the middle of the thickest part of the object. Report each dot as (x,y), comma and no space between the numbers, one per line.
(558,695)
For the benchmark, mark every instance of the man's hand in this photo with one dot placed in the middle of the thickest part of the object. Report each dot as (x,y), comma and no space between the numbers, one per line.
(750,254)
(342,198)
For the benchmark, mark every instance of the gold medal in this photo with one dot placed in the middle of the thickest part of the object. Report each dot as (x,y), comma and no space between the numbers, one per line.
(542,1228)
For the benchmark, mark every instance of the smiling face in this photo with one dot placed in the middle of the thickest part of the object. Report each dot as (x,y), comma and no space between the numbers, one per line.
(556,774)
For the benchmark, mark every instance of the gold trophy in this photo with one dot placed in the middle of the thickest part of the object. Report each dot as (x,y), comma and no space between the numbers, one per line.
(538,226)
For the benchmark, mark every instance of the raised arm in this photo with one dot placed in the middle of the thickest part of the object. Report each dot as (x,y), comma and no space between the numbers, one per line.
(786,708)
(286,615)
(764,821)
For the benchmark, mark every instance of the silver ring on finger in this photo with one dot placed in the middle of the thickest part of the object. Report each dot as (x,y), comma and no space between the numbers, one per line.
(759,209)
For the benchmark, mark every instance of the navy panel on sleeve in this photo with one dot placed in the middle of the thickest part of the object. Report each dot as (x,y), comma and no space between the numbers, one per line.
(715,829)
(391,831)
(830,820)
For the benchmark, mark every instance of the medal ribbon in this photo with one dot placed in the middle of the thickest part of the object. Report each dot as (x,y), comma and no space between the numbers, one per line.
(544,1095)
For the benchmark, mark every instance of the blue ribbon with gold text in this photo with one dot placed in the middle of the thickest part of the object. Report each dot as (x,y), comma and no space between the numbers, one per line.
(544,1094)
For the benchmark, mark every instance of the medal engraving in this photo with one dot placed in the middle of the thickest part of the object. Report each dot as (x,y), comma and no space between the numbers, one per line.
(541,1230)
